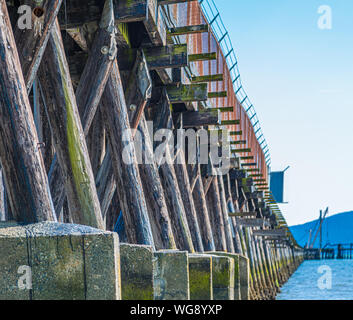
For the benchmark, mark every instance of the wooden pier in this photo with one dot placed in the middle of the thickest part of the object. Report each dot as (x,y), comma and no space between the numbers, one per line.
(79,91)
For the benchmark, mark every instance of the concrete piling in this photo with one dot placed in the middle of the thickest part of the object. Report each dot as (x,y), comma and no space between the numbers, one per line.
(171,275)
(200,277)
(58,261)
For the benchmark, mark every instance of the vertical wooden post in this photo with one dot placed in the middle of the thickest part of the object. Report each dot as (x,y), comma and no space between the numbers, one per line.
(202,214)
(33,41)
(2,198)
(228,232)
(173,196)
(99,63)
(68,136)
(189,205)
(215,212)
(138,93)
(25,177)
(130,192)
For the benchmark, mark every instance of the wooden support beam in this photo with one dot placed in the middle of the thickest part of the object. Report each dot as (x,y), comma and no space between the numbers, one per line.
(230,122)
(166,2)
(69,139)
(216,218)
(237,174)
(252,223)
(188,201)
(100,65)
(162,116)
(249,164)
(130,11)
(270,233)
(238,142)
(187,93)
(205,117)
(226,109)
(247,158)
(255,175)
(219,94)
(178,31)
(22,165)
(202,56)
(128,181)
(33,41)
(158,58)
(224,206)
(236,133)
(202,214)
(242,214)
(155,23)
(246,150)
(207,78)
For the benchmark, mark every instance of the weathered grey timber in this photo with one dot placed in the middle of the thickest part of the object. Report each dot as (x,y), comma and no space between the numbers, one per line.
(216,218)
(130,192)
(100,64)
(201,118)
(188,201)
(68,136)
(226,219)
(200,277)
(136,263)
(171,275)
(23,168)
(33,41)
(137,93)
(163,119)
(52,260)
(203,216)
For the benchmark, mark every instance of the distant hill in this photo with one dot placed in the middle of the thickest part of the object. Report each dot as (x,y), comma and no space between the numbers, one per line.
(336,229)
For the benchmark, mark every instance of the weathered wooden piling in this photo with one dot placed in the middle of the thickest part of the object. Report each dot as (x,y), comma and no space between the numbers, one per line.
(103,80)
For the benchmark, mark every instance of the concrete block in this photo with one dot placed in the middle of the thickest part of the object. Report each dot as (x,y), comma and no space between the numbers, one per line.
(136,263)
(55,261)
(222,278)
(171,275)
(200,277)
(235,258)
(244,272)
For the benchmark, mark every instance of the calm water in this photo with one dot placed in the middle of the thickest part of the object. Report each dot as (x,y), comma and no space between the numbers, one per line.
(306,282)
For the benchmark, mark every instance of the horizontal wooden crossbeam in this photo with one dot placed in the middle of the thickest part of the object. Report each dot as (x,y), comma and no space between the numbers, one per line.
(187,93)
(202,56)
(238,142)
(205,117)
(242,150)
(170,56)
(226,109)
(219,94)
(178,31)
(166,2)
(230,122)
(242,214)
(207,78)
(249,164)
(247,158)
(251,223)
(270,233)
(236,133)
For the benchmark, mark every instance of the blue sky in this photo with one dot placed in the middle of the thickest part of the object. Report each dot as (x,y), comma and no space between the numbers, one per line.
(300,80)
